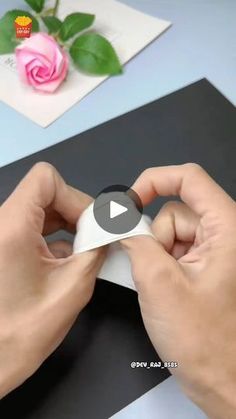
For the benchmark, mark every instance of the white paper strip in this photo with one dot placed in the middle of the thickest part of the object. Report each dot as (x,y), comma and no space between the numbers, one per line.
(90,235)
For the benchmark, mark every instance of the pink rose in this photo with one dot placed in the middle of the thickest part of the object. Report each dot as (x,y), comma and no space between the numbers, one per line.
(42,63)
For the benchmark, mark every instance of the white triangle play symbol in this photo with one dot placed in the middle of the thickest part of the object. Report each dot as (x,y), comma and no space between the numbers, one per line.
(116,209)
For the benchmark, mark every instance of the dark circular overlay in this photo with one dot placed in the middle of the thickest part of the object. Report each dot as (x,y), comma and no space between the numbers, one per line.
(118,195)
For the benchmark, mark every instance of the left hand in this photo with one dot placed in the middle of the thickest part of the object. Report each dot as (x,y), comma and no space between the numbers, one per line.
(43,287)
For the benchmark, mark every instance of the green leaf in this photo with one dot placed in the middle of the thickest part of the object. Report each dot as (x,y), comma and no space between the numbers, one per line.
(36,5)
(7,22)
(93,54)
(7,45)
(74,23)
(52,23)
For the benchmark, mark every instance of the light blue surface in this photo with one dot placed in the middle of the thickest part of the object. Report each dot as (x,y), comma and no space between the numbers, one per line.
(201,43)
(166,401)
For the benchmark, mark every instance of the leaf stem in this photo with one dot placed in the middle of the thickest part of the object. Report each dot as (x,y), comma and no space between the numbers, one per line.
(56,7)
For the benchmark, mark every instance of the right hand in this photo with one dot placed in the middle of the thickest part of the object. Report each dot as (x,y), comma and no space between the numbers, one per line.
(186,283)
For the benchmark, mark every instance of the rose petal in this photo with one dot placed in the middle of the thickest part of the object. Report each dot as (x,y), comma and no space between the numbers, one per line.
(61,66)
(52,86)
(42,63)
(43,72)
(40,77)
(40,43)
(26,56)
(27,60)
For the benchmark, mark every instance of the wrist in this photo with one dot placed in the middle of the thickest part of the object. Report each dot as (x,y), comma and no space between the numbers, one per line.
(13,362)
(215,397)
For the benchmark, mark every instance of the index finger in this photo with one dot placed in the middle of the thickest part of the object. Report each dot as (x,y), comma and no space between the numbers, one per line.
(188,181)
(43,187)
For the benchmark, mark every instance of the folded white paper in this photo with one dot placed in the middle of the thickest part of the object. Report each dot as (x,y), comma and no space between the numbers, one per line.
(127,29)
(90,236)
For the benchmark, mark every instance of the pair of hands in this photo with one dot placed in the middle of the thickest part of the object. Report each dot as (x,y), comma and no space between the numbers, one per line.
(186,278)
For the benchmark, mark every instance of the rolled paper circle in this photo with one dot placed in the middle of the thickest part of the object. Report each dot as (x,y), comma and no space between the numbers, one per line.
(90,235)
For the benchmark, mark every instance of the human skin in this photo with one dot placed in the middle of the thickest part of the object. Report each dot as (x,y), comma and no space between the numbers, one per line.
(43,287)
(186,283)
(185,278)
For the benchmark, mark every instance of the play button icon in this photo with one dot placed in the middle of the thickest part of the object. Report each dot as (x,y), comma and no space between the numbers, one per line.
(117,209)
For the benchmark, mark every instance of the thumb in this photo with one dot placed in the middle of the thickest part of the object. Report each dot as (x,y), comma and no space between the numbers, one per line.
(155,272)
(67,289)
(70,285)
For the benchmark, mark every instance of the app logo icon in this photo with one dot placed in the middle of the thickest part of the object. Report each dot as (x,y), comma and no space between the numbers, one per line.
(117,209)
(23,26)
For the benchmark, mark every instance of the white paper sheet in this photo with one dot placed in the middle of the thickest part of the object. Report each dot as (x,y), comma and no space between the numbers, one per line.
(128,30)
(90,235)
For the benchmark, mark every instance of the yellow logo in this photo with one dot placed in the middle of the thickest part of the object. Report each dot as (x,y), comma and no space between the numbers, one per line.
(23,26)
